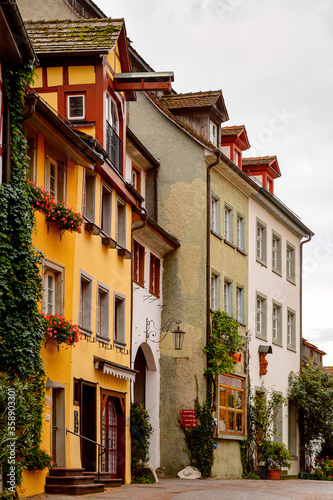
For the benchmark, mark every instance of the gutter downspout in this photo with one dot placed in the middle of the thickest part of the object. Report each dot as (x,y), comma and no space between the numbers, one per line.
(144,223)
(218,153)
(301,444)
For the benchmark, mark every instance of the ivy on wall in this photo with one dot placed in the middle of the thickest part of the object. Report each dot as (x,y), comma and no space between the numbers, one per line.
(21,332)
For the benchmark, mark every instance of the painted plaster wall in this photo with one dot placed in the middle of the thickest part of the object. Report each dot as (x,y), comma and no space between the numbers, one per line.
(182,212)
(45,10)
(146,305)
(275,287)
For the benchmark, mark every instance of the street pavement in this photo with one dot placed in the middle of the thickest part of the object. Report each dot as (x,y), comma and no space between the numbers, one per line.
(212,489)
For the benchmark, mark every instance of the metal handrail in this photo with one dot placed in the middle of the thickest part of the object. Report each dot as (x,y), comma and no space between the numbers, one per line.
(95,442)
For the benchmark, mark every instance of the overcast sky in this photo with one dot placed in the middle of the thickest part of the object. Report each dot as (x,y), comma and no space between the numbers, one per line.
(273,61)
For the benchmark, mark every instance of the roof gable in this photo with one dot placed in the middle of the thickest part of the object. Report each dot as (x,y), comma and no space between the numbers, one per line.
(236,134)
(79,36)
(195,100)
(262,163)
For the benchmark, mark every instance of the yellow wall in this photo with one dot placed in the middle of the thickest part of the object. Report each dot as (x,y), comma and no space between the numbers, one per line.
(54,76)
(81,74)
(84,252)
(51,98)
(38,79)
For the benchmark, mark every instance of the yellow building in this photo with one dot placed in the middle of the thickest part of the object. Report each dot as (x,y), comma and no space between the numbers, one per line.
(87,277)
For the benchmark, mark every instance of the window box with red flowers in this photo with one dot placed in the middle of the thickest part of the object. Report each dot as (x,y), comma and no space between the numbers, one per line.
(55,212)
(56,327)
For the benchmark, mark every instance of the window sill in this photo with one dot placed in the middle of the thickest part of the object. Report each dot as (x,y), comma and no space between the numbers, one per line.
(230,244)
(291,348)
(142,285)
(119,345)
(277,271)
(92,228)
(231,437)
(261,337)
(103,340)
(108,241)
(85,331)
(293,282)
(154,294)
(262,262)
(241,251)
(277,343)
(124,253)
(216,234)
(81,123)
(241,323)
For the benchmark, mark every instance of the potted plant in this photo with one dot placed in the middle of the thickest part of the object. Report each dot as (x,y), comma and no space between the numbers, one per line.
(276,456)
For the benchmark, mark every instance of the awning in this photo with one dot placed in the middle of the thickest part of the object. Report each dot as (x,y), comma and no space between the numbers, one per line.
(115,370)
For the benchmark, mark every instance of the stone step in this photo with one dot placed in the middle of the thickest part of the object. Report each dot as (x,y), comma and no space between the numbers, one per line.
(81,480)
(66,472)
(74,489)
(106,478)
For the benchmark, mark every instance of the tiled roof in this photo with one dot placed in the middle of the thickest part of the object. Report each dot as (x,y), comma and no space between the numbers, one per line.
(192,100)
(328,369)
(259,160)
(161,104)
(82,35)
(234,130)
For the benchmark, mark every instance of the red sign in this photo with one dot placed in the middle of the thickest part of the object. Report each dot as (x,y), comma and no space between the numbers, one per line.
(187,418)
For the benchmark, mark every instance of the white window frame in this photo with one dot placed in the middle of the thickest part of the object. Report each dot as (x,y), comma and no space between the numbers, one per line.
(290,263)
(261,242)
(81,116)
(119,322)
(227,296)
(228,224)
(103,311)
(240,233)
(276,323)
(291,329)
(261,316)
(240,314)
(111,113)
(213,133)
(56,273)
(214,291)
(276,253)
(215,214)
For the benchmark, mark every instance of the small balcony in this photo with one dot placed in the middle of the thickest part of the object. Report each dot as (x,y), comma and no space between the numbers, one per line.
(113,147)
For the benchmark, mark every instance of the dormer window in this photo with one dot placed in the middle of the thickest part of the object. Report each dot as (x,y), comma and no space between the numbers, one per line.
(76,107)
(113,142)
(236,158)
(213,133)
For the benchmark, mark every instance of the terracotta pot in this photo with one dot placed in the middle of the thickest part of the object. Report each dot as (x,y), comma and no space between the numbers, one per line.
(274,474)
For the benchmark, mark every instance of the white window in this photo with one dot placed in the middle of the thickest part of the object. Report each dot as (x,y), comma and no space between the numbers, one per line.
(261,240)
(103,311)
(277,323)
(276,253)
(237,158)
(113,142)
(291,329)
(261,316)
(85,304)
(240,317)
(106,210)
(228,223)
(290,263)
(213,135)
(121,223)
(53,295)
(76,107)
(240,233)
(89,195)
(228,297)
(215,214)
(119,334)
(55,178)
(214,291)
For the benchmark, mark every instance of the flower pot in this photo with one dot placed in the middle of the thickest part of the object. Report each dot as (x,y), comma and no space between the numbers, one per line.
(274,474)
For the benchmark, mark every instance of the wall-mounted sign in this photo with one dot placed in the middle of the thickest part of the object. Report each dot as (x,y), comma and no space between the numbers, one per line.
(187,418)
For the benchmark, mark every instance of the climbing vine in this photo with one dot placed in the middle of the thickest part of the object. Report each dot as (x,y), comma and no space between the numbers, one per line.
(21,332)
(224,339)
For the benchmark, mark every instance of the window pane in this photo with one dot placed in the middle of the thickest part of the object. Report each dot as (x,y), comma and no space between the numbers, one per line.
(239,400)
(231,421)
(239,422)
(223,396)
(223,420)
(231,398)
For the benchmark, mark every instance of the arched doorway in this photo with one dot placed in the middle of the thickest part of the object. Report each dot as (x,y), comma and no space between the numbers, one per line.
(140,378)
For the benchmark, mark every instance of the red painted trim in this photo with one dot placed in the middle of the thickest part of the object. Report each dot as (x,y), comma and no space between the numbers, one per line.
(44,76)
(65,75)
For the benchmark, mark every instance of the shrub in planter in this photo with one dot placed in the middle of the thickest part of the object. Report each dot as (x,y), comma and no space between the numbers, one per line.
(276,455)
(141,431)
